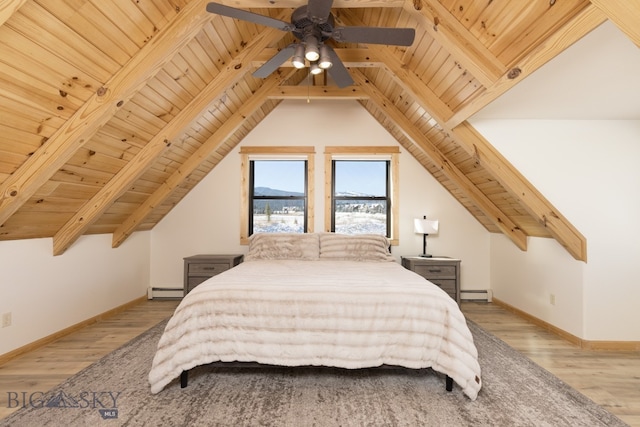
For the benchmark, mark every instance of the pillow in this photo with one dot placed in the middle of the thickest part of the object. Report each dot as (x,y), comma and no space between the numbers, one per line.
(300,246)
(357,247)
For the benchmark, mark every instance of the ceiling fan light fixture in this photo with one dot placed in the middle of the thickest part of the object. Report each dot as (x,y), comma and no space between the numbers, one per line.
(311,51)
(313,24)
(314,68)
(298,57)
(325,59)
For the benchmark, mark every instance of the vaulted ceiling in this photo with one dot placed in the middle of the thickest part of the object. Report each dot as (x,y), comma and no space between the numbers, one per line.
(111,112)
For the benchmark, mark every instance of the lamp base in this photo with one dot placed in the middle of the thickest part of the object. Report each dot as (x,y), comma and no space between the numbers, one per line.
(426,255)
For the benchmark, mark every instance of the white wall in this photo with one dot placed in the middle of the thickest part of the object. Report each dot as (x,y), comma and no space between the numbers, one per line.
(528,280)
(46,294)
(207,220)
(588,171)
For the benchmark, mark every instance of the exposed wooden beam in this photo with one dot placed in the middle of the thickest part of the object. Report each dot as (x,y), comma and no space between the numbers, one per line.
(317,92)
(410,82)
(499,218)
(504,172)
(119,184)
(509,178)
(625,14)
(195,160)
(99,109)
(406,79)
(581,24)
(8,8)
(445,28)
(532,200)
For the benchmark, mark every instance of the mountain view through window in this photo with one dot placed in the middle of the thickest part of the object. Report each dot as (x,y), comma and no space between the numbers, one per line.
(360,197)
(278,196)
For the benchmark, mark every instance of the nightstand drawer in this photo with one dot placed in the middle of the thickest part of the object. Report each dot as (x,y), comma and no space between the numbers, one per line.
(447,285)
(436,271)
(441,271)
(209,269)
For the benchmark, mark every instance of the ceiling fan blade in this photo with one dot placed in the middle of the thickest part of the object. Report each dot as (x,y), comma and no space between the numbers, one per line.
(338,71)
(244,15)
(318,10)
(375,35)
(275,62)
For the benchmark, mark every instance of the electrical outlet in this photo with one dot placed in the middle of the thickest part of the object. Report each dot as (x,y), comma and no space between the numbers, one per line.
(552,299)
(6,320)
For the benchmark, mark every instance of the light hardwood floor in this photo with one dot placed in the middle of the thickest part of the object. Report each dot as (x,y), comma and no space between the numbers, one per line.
(612,379)
(609,378)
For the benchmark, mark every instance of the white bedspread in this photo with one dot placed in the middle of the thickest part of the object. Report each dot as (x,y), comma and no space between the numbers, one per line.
(347,314)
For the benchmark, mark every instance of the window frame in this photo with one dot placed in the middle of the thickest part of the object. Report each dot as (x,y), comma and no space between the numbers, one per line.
(247,154)
(354,153)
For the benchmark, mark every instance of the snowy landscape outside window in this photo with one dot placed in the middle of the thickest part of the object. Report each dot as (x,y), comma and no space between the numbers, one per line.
(361,200)
(278,196)
(371,174)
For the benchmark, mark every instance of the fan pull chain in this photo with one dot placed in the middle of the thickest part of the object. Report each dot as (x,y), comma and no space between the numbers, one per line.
(309,87)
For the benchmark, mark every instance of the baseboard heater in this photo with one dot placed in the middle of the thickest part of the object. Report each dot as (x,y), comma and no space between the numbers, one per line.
(476,295)
(165,293)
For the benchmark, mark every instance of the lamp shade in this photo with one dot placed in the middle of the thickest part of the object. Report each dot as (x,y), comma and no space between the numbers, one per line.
(425,226)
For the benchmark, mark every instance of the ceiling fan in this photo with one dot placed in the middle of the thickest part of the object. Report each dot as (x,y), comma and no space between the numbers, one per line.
(312,25)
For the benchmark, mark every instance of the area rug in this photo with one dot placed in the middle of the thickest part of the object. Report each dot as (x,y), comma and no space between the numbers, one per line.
(114,392)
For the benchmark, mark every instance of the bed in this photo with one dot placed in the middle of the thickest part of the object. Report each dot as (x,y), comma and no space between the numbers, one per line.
(318,299)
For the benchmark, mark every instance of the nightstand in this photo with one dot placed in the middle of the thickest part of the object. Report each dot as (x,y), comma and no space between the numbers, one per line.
(198,268)
(442,271)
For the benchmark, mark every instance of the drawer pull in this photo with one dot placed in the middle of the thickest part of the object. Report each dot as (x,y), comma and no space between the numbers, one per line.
(208,268)
(435,270)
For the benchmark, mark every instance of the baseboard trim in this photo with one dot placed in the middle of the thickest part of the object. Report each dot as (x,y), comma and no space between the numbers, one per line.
(582,343)
(4,358)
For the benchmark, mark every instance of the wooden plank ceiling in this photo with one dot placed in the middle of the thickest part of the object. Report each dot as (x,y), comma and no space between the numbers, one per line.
(110,112)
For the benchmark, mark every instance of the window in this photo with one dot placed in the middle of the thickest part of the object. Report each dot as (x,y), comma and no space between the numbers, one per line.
(360,197)
(362,190)
(277,190)
(278,196)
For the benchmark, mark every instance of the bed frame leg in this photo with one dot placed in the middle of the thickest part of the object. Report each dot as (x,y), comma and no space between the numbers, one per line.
(449,383)
(184,379)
